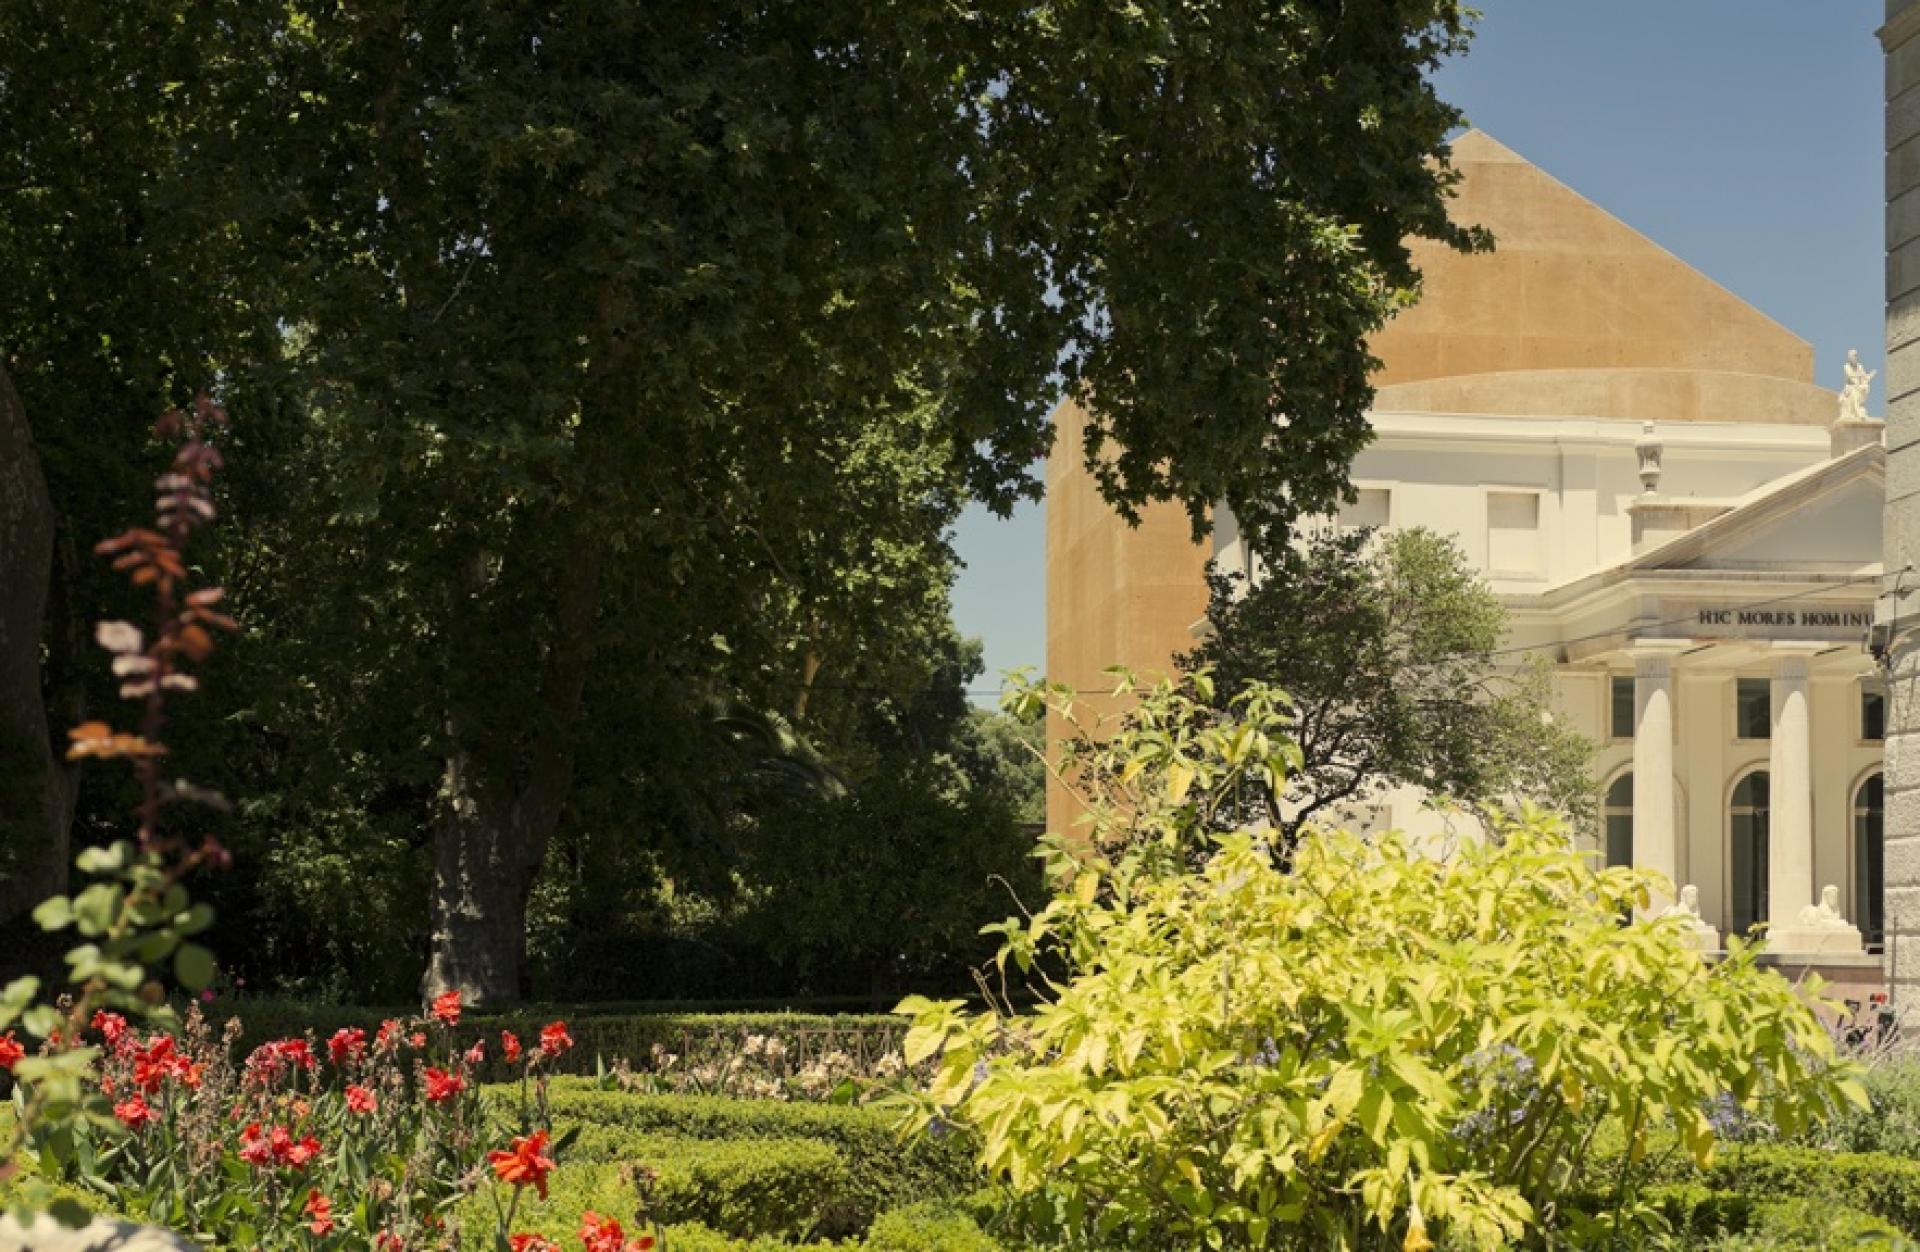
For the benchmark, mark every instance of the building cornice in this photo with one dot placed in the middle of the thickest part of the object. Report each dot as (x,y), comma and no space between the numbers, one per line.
(1901,27)
(1455,429)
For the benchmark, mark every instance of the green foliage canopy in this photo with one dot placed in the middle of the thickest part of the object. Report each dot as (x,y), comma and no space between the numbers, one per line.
(1388,645)
(612,360)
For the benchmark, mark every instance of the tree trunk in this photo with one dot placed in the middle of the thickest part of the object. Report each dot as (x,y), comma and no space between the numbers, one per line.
(33,829)
(490,847)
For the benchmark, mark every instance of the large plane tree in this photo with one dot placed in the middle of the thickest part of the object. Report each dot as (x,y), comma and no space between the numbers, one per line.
(602,313)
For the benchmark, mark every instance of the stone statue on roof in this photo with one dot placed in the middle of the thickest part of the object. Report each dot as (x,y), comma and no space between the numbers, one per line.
(1853,392)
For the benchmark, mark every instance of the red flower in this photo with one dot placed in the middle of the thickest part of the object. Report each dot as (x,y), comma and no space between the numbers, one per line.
(11,1053)
(554,1040)
(154,1064)
(320,1209)
(110,1025)
(298,1154)
(442,1086)
(135,1113)
(525,1163)
(266,1062)
(254,1149)
(387,1035)
(532,1243)
(348,1044)
(387,1241)
(276,1147)
(360,1100)
(603,1234)
(510,1047)
(417,1039)
(446,1008)
(477,1053)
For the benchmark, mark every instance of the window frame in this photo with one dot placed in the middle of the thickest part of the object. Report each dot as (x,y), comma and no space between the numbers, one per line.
(1742,684)
(1872,690)
(1614,684)
(1538,571)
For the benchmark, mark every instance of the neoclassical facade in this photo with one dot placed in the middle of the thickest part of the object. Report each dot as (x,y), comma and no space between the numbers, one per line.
(1679,520)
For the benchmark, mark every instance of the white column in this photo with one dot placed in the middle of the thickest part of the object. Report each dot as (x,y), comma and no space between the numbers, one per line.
(1797,920)
(1654,846)
(1790,799)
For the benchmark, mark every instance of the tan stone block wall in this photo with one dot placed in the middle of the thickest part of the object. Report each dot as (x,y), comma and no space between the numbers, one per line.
(1116,595)
(1901,38)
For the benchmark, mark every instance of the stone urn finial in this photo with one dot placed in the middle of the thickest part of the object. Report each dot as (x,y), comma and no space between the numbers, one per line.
(1649,448)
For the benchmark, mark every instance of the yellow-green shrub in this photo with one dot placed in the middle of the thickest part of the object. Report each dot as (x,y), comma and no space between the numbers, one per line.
(1373,1048)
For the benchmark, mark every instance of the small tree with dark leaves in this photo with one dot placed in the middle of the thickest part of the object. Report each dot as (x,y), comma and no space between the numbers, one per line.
(1389,646)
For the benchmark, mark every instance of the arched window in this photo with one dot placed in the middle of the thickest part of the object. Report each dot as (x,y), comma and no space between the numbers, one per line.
(1616,813)
(1748,833)
(1869,860)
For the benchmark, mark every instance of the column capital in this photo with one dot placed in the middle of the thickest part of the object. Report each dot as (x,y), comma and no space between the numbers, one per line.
(1790,657)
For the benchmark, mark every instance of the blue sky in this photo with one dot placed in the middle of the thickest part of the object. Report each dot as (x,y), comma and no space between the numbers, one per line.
(1742,135)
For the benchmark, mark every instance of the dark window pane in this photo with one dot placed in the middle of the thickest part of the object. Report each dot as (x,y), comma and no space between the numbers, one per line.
(1622,707)
(1753,708)
(1619,820)
(1869,860)
(1749,831)
(1873,715)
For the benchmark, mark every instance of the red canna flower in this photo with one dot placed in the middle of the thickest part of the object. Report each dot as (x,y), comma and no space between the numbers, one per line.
(601,1234)
(387,1036)
(442,1086)
(477,1053)
(446,1008)
(298,1154)
(510,1046)
(554,1040)
(11,1053)
(320,1209)
(296,1052)
(276,1147)
(417,1039)
(532,1243)
(255,1150)
(135,1113)
(154,1064)
(348,1044)
(360,1099)
(110,1025)
(387,1241)
(526,1163)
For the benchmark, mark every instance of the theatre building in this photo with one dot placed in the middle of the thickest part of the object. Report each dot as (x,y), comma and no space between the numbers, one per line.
(1676,516)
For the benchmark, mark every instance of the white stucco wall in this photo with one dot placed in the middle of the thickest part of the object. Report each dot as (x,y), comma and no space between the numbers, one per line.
(1439,470)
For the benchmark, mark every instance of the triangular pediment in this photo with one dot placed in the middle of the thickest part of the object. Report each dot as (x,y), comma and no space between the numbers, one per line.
(1824,520)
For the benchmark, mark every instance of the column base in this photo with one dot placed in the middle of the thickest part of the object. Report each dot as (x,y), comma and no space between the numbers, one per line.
(1796,941)
(1704,938)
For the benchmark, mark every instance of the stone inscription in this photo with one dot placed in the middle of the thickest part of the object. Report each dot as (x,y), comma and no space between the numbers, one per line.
(1839,623)
(1786,618)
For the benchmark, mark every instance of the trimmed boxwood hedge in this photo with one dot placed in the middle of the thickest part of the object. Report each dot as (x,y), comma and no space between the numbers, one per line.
(1873,1182)
(778,1188)
(884,1170)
